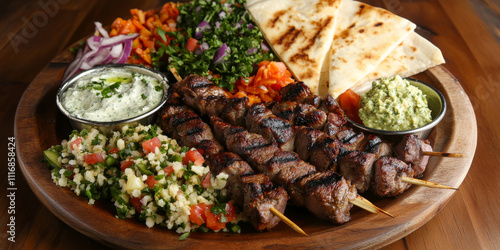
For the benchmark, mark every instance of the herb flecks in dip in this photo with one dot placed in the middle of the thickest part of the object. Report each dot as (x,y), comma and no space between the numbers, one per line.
(111,95)
(394,104)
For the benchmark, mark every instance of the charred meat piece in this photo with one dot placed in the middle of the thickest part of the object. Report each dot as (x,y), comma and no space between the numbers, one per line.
(189,128)
(202,95)
(409,150)
(261,120)
(300,93)
(317,148)
(286,168)
(235,111)
(349,138)
(309,116)
(333,124)
(252,147)
(209,148)
(324,153)
(299,114)
(329,105)
(305,138)
(327,196)
(285,110)
(259,196)
(234,167)
(376,146)
(357,167)
(422,165)
(388,176)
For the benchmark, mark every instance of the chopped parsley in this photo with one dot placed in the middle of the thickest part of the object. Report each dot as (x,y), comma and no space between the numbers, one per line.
(229,23)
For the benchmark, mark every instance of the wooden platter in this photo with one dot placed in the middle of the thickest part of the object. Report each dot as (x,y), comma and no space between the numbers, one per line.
(39,125)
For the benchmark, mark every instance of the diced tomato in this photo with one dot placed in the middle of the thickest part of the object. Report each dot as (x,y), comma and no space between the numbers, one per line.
(197,213)
(213,221)
(151,181)
(136,203)
(168,170)
(114,150)
(349,101)
(151,144)
(230,212)
(126,164)
(193,156)
(94,158)
(74,144)
(206,181)
(191,44)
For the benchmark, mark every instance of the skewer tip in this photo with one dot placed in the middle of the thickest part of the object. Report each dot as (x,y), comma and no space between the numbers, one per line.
(424,183)
(368,206)
(443,154)
(287,221)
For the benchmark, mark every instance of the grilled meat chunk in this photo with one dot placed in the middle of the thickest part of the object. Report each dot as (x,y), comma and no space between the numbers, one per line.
(327,196)
(251,147)
(235,111)
(261,120)
(202,95)
(300,93)
(333,124)
(285,110)
(317,148)
(422,165)
(259,196)
(388,176)
(209,148)
(357,167)
(410,150)
(286,168)
(299,114)
(376,146)
(234,167)
(349,138)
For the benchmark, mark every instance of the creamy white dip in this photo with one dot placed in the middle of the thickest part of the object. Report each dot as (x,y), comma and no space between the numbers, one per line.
(112,95)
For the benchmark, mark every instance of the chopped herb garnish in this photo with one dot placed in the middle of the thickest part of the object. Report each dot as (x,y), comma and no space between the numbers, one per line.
(184,236)
(144,97)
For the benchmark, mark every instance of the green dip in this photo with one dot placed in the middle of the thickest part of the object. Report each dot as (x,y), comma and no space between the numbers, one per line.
(394,104)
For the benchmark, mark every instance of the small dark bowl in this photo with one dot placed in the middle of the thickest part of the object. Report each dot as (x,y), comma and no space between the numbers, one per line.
(436,103)
(108,127)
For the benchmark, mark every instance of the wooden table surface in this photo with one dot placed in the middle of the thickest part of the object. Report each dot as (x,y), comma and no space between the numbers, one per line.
(32,32)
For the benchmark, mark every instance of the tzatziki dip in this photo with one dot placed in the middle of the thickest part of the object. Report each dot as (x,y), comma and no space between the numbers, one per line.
(112,95)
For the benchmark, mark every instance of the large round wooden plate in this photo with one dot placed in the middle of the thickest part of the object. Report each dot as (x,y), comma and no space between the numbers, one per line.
(39,125)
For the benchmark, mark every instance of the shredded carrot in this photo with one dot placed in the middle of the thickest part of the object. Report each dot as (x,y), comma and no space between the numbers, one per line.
(147,23)
(265,85)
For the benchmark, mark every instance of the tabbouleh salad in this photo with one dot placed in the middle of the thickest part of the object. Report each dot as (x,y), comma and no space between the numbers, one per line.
(146,175)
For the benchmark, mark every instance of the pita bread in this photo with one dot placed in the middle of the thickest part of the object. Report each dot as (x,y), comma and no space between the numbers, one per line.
(300,33)
(364,36)
(411,57)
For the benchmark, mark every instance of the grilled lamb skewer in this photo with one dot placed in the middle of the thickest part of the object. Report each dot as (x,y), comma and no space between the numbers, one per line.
(250,191)
(326,194)
(311,145)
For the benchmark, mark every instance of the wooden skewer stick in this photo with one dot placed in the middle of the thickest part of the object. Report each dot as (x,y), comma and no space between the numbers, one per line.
(424,183)
(368,206)
(176,74)
(287,221)
(443,154)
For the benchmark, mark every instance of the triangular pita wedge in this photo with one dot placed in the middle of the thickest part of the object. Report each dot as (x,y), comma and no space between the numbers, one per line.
(300,33)
(364,36)
(414,55)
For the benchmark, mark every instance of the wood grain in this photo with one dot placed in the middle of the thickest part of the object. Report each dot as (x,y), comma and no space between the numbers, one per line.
(469,221)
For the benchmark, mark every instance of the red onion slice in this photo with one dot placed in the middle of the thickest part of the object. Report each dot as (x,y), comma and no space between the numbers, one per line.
(101,50)
(223,51)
